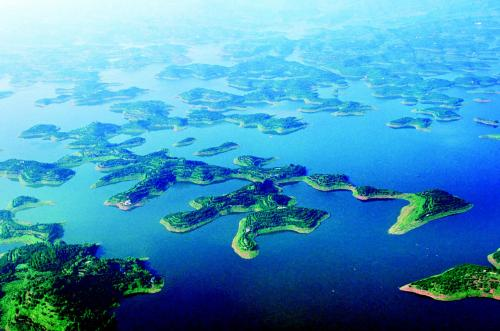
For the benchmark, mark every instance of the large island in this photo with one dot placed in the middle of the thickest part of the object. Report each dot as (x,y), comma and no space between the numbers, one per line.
(463,281)
(34,173)
(67,287)
(250,198)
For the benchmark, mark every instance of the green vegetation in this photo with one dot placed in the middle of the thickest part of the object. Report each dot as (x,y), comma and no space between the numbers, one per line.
(91,143)
(185,142)
(463,281)
(425,207)
(144,116)
(33,173)
(252,161)
(66,287)
(439,114)
(250,198)
(494,259)
(156,172)
(91,92)
(266,80)
(44,131)
(348,108)
(328,182)
(213,100)
(484,121)
(267,123)
(26,202)
(291,173)
(297,219)
(352,108)
(11,230)
(409,122)
(366,193)
(495,136)
(223,148)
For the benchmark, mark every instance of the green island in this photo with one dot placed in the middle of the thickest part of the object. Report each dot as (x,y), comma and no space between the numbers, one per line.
(296,219)
(484,121)
(329,182)
(264,195)
(24,202)
(67,287)
(421,124)
(460,282)
(34,173)
(494,258)
(223,148)
(91,142)
(252,161)
(90,91)
(493,136)
(150,115)
(250,198)
(158,171)
(260,79)
(267,123)
(185,142)
(336,107)
(439,113)
(14,231)
(45,131)
(213,100)
(423,207)
(427,206)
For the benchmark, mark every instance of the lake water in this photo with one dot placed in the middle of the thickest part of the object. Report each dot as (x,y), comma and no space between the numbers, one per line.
(343,275)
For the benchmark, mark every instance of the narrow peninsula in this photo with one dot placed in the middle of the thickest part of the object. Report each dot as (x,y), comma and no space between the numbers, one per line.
(14,231)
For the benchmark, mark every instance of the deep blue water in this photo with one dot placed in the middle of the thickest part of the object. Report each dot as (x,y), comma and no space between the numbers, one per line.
(344,275)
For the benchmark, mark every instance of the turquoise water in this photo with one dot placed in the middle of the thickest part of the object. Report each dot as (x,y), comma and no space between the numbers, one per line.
(344,275)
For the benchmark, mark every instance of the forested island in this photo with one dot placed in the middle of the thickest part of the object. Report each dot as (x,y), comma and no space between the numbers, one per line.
(185,142)
(296,219)
(34,173)
(67,287)
(223,148)
(14,231)
(460,282)
(157,171)
(421,124)
(439,114)
(427,206)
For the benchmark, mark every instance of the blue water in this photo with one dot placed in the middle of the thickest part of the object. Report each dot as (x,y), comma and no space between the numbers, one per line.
(344,275)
